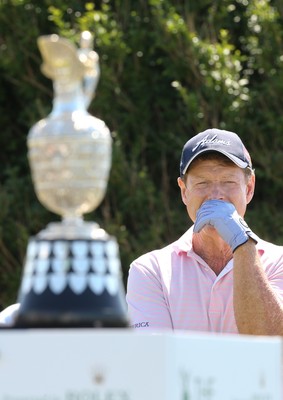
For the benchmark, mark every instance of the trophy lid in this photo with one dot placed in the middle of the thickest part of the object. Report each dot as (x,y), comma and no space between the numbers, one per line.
(60,60)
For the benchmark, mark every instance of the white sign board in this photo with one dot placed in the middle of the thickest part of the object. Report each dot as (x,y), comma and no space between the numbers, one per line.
(113,364)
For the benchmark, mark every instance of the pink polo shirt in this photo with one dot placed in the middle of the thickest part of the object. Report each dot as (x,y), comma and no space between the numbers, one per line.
(173,288)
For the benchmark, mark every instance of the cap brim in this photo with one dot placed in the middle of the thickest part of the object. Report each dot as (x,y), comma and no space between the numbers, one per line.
(240,163)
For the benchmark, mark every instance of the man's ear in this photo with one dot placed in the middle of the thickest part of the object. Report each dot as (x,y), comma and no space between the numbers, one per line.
(250,188)
(183,189)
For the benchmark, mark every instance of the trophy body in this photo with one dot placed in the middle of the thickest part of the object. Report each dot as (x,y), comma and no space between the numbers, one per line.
(72,273)
(70,167)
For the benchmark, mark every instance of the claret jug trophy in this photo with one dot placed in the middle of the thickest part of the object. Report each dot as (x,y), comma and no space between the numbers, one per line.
(72,274)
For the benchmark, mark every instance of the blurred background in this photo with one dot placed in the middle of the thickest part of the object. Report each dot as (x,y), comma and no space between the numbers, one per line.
(169,69)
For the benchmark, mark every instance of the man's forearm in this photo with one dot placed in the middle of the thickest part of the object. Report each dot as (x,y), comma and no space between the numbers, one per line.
(258,311)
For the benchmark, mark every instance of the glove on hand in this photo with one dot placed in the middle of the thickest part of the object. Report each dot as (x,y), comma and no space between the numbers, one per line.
(225,219)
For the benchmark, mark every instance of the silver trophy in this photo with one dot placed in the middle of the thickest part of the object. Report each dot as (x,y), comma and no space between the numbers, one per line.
(72,273)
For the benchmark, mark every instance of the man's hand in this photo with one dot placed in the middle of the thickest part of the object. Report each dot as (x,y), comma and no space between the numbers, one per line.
(225,219)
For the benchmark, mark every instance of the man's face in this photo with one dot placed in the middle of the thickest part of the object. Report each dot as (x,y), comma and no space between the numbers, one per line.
(216,179)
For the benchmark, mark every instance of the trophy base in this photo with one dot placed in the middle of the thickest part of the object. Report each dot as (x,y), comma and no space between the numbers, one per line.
(72,282)
(48,319)
(69,310)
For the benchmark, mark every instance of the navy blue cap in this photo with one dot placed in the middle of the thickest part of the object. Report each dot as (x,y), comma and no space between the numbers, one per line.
(225,142)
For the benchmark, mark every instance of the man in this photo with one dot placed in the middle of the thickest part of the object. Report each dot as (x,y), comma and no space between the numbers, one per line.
(219,276)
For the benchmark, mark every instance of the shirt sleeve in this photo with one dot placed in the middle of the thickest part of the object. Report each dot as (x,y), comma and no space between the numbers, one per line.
(271,256)
(8,315)
(275,277)
(147,305)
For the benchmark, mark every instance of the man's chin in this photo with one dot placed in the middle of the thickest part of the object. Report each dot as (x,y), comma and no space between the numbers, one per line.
(210,229)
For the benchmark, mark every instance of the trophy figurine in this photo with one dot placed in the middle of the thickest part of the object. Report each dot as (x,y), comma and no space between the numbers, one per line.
(72,273)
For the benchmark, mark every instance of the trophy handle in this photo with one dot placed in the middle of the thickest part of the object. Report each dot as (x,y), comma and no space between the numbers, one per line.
(90,59)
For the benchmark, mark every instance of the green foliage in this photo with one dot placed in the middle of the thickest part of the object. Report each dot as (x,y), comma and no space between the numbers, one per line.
(169,69)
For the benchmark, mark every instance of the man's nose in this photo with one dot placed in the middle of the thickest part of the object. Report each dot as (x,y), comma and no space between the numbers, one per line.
(216,192)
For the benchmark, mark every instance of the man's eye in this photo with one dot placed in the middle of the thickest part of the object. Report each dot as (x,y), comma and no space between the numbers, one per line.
(202,183)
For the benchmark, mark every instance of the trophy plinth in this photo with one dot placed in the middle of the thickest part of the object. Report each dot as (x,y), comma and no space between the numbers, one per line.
(72,283)
(72,272)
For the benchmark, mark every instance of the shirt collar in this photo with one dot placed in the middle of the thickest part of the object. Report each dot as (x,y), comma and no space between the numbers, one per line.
(184,243)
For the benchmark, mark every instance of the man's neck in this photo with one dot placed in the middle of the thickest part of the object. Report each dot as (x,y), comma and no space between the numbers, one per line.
(213,250)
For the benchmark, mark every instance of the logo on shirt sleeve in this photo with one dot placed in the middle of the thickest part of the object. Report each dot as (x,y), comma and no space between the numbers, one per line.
(141,325)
